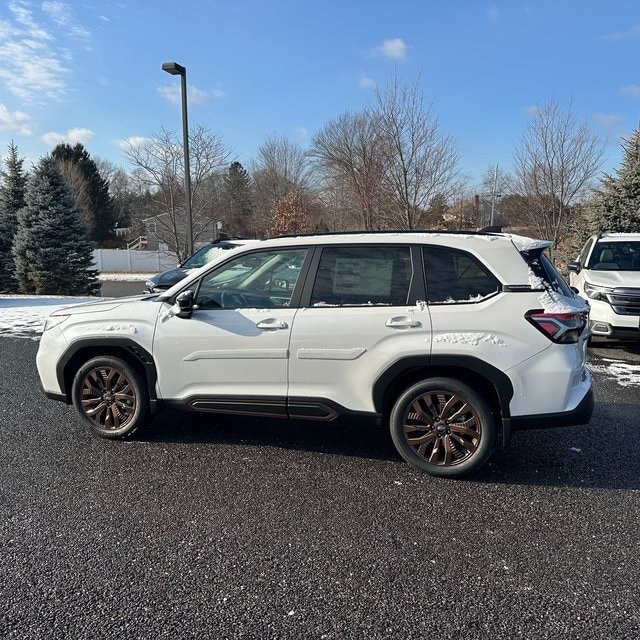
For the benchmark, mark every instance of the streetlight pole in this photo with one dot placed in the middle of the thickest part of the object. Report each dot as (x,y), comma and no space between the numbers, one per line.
(176,69)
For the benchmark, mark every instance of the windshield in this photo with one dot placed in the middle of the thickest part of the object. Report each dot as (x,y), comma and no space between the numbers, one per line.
(616,256)
(204,256)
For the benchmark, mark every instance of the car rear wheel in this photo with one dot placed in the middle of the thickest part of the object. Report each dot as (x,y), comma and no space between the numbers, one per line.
(443,427)
(110,397)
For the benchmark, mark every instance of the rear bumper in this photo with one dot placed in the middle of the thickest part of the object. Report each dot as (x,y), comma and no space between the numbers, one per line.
(580,415)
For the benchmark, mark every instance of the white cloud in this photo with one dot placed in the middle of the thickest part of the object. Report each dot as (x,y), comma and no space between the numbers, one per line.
(394,48)
(18,121)
(492,13)
(630,90)
(52,138)
(133,141)
(302,132)
(608,120)
(60,13)
(173,94)
(40,60)
(366,83)
(632,32)
(531,111)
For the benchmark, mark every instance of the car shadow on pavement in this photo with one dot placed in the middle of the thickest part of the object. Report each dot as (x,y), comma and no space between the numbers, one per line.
(594,456)
(603,454)
(340,438)
(604,347)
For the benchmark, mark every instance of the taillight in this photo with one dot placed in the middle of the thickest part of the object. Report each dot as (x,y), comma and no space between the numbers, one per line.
(564,328)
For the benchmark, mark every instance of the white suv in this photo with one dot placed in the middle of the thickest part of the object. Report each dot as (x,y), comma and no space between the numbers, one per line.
(607,273)
(452,339)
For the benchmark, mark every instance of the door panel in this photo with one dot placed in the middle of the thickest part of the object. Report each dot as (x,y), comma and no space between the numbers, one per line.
(236,342)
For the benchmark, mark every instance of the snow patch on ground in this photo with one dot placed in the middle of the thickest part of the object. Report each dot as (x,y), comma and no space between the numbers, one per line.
(624,373)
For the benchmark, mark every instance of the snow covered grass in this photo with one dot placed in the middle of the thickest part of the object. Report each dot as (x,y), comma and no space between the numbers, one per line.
(23,316)
(124,276)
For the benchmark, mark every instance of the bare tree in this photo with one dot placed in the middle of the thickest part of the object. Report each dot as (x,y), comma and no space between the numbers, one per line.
(348,153)
(420,160)
(554,165)
(158,164)
(280,166)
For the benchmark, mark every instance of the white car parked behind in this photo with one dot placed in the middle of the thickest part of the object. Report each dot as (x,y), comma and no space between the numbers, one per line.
(607,274)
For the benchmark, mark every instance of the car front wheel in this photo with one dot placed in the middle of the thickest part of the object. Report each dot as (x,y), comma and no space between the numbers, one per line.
(443,427)
(110,397)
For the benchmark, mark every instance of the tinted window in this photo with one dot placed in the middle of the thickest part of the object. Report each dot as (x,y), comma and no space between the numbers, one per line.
(262,279)
(456,277)
(377,275)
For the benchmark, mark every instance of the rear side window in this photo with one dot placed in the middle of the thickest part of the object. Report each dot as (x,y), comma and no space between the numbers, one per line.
(456,277)
(363,276)
(543,268)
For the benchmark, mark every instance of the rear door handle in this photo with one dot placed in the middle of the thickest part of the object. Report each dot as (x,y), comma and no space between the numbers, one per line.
(402,322)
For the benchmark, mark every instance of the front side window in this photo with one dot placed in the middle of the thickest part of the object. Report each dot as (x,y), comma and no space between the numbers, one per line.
(363,276)
(455,277)
(582,258)
(261,279)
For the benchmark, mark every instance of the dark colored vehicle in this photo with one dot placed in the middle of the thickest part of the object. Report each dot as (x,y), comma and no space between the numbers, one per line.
(163,281)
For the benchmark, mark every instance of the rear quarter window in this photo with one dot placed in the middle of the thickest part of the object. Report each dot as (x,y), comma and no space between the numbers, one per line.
(456,277)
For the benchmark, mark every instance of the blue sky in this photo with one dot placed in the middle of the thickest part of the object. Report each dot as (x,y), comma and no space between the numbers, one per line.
(81,70)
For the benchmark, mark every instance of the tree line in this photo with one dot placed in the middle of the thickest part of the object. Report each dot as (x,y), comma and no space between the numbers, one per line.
(388,166)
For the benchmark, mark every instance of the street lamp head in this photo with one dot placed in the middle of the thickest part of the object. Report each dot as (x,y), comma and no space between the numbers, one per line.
(174,68)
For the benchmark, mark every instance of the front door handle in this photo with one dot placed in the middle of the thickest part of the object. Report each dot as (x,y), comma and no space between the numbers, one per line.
(272,324)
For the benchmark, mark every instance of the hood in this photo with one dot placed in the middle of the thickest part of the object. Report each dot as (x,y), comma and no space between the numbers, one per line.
(613,278)
(168,278)
(101,304)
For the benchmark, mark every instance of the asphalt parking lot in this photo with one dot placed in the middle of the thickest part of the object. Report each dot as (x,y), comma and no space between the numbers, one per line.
(224,528)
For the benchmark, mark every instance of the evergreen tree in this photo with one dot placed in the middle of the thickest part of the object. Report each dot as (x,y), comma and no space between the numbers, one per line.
(51,251)
(12,194)
(89,189)
(237,195)
(616,207)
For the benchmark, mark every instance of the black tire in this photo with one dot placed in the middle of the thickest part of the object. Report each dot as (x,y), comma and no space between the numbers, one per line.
(443,427)
(110,397)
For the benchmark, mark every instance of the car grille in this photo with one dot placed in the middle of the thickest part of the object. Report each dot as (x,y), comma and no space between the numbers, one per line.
(625,301)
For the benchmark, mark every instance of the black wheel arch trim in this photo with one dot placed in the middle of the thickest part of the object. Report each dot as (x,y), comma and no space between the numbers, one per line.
(107,347)
(437,365)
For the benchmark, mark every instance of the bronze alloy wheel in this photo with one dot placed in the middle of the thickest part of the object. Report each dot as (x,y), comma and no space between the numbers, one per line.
(443,427)
(110,396)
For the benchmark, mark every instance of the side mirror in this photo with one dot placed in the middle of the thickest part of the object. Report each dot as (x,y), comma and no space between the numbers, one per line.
(574,266)
(184,302)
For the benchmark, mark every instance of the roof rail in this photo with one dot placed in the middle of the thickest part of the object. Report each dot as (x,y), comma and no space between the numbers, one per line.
(494,229)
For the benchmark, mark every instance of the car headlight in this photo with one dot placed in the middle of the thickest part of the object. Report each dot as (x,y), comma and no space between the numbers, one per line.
(595,292)
(53,321)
